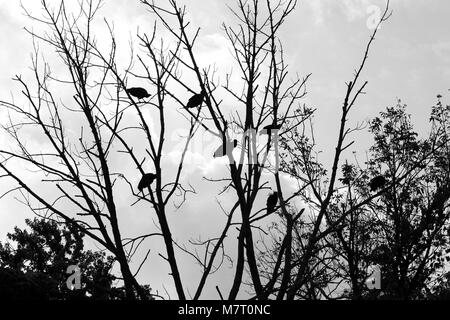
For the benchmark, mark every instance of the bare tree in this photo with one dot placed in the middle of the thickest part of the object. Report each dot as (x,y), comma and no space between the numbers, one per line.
(104,121)
(78,182)
(267,99)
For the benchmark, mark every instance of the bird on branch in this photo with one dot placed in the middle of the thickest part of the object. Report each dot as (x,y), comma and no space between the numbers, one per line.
(146,181)
(196,100)
(138,92)
(377,182)
(269,128)
(225,149)
(272,202)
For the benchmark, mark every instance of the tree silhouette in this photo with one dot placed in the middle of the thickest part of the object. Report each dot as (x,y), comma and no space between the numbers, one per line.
(102,148)
(404,228)
(413,212)
(36,260)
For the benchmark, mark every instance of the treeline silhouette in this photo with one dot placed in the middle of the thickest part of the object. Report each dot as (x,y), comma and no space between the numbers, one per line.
(34,263)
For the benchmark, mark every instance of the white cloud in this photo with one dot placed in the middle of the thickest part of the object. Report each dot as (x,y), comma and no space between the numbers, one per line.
(355,9)
(352,9)
(318,10)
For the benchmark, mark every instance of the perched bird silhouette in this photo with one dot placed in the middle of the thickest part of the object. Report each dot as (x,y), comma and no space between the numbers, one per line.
(267,129)
(377,183)
(138,92)
(146,181)
(225,148)
(272,202)
(195,100)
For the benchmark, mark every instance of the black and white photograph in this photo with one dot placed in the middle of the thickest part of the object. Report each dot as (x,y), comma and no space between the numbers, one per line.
(237,152)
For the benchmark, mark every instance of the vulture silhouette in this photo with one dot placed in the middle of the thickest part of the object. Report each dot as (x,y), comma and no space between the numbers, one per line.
(195,100)
(138,92)
(267,129)
(272,202)
(225,148)
(377,182)
(146,181)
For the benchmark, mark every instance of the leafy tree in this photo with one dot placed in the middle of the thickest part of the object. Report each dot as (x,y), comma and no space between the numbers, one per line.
(404,228)
(413,209)
(35,262)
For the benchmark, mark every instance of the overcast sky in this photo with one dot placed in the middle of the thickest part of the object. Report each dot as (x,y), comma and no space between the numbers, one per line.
(410,60)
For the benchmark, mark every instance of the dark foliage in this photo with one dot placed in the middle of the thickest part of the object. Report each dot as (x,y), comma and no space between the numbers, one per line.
(33,265)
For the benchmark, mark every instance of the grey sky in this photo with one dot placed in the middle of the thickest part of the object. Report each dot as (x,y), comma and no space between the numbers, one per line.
(410,60)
